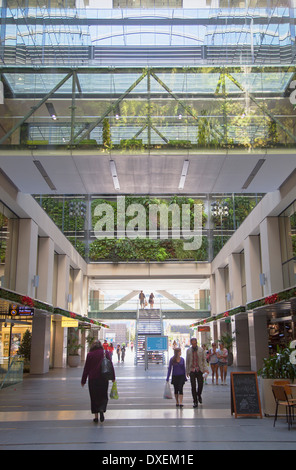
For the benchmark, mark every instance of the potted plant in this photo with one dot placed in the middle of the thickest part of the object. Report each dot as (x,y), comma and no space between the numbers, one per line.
(25,349)
(73,347)
(276,367)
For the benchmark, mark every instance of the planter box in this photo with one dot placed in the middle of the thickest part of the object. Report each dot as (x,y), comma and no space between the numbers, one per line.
(74,361)
(267,398)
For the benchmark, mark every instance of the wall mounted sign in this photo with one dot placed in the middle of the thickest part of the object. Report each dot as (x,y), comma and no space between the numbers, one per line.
(156,343)
(20,310)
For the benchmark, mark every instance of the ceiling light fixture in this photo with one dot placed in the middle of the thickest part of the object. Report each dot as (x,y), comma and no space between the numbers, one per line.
(253,173)
(184,174)
(43,173)
(114,174)
(51,111)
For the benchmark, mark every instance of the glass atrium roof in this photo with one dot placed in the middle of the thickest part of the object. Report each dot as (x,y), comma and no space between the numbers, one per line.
(127,63)
(85,36)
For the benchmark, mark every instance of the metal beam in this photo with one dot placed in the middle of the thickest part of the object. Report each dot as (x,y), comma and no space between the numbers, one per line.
(34,108)
(263,109)
(111,107)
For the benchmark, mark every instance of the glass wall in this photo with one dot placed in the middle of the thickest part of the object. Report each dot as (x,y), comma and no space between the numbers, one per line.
(288,244)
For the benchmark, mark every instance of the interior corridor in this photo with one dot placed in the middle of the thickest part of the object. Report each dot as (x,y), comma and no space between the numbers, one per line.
(52,412)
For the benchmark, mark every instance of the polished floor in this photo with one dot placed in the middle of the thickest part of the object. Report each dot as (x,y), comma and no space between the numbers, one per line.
(52,412)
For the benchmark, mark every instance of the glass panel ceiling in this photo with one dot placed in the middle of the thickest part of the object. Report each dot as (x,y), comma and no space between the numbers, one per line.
(211,35)
(117,83)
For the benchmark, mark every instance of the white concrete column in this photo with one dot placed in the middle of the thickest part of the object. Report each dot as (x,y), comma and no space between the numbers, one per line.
(77,300)
(214,332)
(213,294)
(258,336)
(40,348)
(27,257)
(220,290)
(235,280)
(271,255)
(60,345)
(252,267)
(45,269)
(241,347)
(63,276)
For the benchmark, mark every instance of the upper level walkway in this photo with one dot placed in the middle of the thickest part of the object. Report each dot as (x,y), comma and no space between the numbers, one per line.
(52,412)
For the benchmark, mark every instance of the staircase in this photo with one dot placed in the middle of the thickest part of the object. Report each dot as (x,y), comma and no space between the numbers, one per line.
(149,323)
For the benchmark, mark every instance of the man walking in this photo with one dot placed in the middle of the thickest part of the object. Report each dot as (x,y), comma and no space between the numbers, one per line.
(196,364)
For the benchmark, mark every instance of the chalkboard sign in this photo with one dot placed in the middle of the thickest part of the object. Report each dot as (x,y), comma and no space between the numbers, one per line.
(245,398)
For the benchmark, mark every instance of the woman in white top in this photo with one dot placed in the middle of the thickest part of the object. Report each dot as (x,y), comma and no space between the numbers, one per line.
(213,361)
(222,355)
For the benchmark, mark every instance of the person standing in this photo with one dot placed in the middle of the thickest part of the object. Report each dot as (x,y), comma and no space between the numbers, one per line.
(142,299)
(196,365)
(122,352)
(151,300)
(213,360)
(118,352)
(97,385)
(222,355)
(177,367)
(110,349)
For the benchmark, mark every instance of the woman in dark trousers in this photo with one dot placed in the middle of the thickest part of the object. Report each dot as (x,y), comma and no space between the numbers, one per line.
(98,387)
(177,366)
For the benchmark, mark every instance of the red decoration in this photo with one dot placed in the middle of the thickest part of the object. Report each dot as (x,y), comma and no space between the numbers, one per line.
(226,314)
(272,299)
(72,315)
(27,301)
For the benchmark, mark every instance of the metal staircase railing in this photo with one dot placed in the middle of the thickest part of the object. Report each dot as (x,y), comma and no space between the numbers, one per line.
(11,371)
(149,322)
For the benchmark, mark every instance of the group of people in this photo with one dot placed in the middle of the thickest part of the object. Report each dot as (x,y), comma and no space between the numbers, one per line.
(218,359)
(143,301)
(120,350)
(196,369)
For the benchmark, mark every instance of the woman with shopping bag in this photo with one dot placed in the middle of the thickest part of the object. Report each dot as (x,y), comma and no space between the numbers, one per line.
(97,382)
(177,367)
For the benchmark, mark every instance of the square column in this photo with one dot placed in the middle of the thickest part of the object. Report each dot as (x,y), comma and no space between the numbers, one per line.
(45,269)
(241,347)
(258,336)
(271,255)
(78,292)
(40,348)
(235,280)
(252,267)
(220,290)
(27,257)
(63,277)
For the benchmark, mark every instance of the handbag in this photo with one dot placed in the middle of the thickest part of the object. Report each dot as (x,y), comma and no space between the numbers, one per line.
(167,391)
(106,368)
(114,392)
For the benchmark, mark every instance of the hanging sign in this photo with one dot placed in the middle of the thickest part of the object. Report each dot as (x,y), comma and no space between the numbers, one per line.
(20,311)
(69,323)
(203,328)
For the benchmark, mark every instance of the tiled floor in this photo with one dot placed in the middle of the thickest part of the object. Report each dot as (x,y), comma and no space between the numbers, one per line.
(52,412)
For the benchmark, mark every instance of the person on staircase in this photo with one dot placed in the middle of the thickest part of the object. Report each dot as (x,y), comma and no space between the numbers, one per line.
(151,300)
(142,298)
